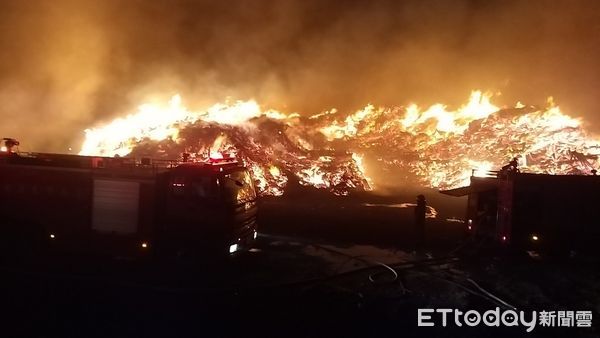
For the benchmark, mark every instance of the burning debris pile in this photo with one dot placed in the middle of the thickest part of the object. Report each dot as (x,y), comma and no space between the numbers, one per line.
(434,147)
(441,148)
(265,147)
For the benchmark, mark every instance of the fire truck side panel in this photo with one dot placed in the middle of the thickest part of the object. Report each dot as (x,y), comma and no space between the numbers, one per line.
(149,209)
(123,214)
(504,210)
(115,206)
(560,210)
(53,200)
(539,211)
(76,210)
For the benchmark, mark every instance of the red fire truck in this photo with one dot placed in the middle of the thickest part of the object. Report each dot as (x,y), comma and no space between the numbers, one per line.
(123,206)
(534,210)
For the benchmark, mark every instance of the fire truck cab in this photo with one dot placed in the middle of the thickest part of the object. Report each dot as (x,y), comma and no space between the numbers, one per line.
(124,206)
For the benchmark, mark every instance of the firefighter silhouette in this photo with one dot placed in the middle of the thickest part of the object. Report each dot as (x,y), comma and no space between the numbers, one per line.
(10,143)
(419,231)
(511,168)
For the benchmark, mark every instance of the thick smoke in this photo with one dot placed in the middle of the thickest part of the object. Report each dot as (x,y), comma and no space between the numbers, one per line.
(68,65)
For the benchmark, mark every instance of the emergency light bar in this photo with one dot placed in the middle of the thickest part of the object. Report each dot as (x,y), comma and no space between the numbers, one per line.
(221,158)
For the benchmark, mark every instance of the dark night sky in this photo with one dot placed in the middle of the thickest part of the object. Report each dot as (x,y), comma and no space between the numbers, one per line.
(67,65)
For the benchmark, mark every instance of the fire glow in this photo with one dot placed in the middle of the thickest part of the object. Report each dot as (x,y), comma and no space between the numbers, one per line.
(436,147)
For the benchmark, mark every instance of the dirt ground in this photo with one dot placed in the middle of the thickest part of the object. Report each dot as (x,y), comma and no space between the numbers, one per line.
(334,267)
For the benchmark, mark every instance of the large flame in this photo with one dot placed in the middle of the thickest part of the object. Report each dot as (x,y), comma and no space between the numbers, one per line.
(438,147)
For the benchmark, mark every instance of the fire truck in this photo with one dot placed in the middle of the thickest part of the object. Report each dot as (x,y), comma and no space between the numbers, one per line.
(534,211)
(124,206)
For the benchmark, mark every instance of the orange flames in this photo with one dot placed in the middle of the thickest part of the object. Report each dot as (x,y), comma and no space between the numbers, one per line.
(437,147)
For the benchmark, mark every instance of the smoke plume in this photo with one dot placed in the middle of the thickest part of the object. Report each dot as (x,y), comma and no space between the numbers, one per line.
(69,65)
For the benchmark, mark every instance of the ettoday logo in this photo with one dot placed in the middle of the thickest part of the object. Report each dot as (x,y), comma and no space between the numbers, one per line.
(508,318)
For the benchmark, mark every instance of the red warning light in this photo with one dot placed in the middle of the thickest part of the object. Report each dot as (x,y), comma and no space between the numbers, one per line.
(219,158)
(216,155)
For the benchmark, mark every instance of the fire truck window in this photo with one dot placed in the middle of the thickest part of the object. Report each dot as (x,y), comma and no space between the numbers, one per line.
(238,187)
(204,187)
